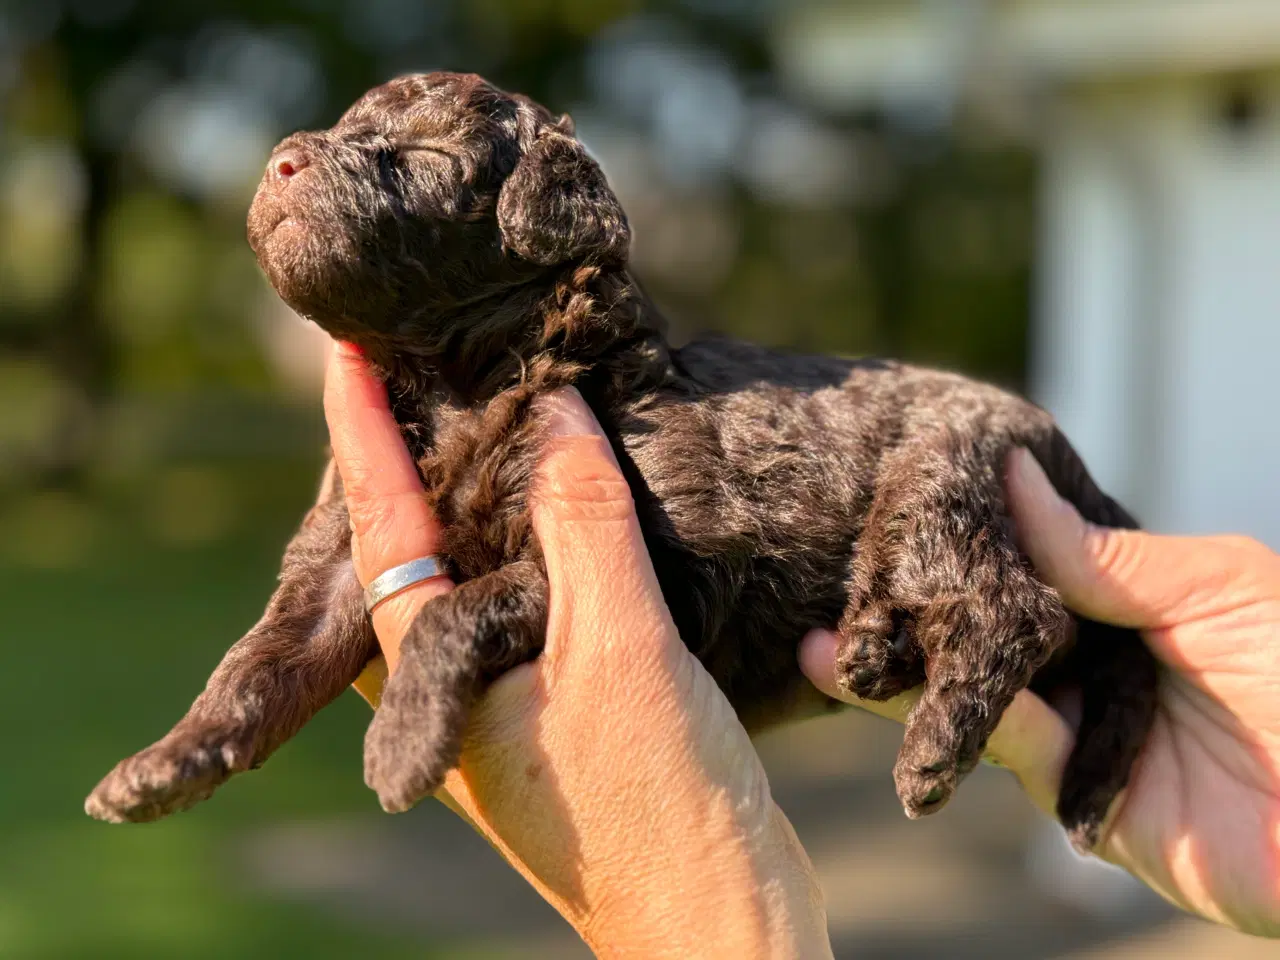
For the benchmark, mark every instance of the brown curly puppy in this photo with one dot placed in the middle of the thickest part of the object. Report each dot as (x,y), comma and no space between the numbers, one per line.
(465,240)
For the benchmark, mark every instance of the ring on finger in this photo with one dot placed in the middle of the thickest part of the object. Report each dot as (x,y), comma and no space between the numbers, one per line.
(401,578)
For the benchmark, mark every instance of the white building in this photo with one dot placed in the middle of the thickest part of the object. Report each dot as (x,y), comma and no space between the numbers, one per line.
(1158,324)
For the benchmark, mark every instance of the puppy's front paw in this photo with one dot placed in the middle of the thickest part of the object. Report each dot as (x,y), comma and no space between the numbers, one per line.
(178,772)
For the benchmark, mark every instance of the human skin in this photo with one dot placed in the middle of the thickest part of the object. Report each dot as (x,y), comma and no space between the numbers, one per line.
(611,772)
(1200,820)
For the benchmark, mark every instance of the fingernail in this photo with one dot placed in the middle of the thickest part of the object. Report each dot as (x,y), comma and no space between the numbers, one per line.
(349,349)
(569,416)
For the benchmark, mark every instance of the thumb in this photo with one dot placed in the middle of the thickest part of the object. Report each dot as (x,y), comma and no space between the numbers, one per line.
(1124,577)
(585,519)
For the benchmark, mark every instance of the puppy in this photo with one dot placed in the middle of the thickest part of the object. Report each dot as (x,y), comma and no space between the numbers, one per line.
(464,239)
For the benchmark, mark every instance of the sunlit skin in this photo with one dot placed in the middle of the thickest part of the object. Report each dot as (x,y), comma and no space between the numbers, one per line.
(612,773)
(1200,822)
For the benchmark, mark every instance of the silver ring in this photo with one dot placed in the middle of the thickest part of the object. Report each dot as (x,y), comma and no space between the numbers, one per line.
(401,578)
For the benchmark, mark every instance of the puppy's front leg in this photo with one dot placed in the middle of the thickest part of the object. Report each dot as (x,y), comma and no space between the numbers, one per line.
(311,643)
(458,644)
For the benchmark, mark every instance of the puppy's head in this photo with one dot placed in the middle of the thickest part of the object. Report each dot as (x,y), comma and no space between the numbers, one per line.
(432,193)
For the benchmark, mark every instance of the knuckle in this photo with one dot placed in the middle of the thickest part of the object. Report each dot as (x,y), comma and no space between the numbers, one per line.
(371,517)
(389,529)
(578,479)
(1114,553)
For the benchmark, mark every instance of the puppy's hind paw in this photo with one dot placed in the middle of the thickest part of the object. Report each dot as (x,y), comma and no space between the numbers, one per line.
(1083,811)
(878,659)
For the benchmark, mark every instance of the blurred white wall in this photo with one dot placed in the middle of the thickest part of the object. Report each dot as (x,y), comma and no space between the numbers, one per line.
(1158,346)
(1156,335)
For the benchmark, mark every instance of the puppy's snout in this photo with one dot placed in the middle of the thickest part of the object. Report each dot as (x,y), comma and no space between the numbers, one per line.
(287,164)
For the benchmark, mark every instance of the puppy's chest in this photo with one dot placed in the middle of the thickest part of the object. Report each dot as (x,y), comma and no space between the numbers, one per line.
(477,470)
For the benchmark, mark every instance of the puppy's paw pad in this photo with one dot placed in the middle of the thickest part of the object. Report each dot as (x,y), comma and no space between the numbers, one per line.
(925,789)
(877,665)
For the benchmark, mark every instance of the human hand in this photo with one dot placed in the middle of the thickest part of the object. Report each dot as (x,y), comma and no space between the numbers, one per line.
(1200,820)
(611,772)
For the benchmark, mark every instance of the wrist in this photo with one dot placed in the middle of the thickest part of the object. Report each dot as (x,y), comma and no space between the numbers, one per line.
(752,894)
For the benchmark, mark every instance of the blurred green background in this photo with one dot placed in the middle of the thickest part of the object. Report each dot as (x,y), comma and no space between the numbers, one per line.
(160,431)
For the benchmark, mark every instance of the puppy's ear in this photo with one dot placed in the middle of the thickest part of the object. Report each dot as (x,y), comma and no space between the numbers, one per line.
(556,205)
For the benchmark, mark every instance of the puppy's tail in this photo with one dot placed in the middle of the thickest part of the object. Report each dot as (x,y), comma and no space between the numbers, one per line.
(1115,671)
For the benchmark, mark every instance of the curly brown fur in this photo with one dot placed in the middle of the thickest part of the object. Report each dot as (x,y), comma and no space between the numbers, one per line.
(467,242)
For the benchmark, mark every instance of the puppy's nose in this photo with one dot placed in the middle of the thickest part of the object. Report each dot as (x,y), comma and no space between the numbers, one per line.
(288,163)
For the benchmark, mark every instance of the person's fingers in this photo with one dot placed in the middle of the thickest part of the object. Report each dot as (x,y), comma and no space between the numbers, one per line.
(389,515)
(818,663)
(390,520)
(1125,577)
(1032,740)
(586,522)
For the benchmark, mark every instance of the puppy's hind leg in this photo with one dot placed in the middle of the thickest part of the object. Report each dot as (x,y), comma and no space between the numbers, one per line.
(1117,675)
(311,643)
